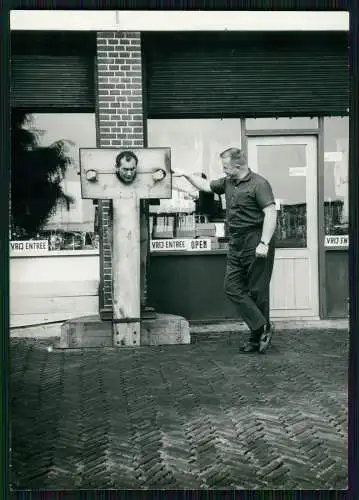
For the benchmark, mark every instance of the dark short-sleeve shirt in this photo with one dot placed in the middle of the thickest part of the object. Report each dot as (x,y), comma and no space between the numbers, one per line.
(245,201)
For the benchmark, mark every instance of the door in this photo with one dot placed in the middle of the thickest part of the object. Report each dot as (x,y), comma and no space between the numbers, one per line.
(290,165)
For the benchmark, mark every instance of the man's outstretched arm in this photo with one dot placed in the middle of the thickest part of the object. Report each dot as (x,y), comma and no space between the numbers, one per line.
(197,182)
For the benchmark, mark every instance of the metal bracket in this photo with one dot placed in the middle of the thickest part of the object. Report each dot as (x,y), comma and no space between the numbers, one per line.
(126,320)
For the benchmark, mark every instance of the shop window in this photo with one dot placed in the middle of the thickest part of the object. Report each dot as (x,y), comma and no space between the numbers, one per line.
(336,205)
(195,147)
(71,229)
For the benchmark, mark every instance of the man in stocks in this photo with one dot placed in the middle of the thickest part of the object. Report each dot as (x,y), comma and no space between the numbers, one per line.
(251,220)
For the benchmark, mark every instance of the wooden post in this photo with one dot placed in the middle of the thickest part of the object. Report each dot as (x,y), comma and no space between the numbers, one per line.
(126,270)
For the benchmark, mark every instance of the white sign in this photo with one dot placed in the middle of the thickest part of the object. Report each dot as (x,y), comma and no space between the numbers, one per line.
(333,156)
(220,233)
(29,246)
(337,241)
(298,171)
(178,244)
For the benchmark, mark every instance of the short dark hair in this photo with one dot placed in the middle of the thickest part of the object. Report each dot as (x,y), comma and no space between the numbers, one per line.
(127,155)
(234,154)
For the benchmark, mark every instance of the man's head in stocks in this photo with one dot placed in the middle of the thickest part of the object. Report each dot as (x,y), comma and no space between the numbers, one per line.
(126,166)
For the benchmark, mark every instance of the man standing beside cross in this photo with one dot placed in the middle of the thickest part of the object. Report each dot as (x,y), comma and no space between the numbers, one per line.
(251,220)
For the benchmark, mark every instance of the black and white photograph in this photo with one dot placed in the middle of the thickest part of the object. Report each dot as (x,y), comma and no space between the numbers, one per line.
(179,249)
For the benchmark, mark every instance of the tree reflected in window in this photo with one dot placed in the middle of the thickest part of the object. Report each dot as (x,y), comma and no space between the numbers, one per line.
(46,198)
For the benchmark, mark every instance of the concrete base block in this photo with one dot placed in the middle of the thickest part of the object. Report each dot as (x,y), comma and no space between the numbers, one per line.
(91,331)
(165,329)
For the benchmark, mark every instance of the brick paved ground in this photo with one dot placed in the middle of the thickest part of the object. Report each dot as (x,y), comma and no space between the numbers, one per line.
(202,415)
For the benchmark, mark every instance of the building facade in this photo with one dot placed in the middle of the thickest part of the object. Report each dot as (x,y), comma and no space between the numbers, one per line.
(282,96)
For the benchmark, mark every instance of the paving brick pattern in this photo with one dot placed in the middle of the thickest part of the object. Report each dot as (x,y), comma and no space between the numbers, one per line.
(191,416)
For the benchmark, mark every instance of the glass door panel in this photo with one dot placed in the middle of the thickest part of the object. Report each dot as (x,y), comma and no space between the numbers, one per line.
(285,167)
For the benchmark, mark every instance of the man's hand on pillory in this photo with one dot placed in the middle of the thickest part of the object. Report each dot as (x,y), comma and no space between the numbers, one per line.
(177,172)
(262,250)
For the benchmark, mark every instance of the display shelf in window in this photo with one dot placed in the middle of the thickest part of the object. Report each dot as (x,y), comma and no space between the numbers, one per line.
(182,226)
(334,222)
(163,227)
(291,231)
(185,230)
(186,226)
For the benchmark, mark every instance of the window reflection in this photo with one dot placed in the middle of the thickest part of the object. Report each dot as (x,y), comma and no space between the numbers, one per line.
(336,202)
(71,229)
(195,147)
(195,144)
(284,166)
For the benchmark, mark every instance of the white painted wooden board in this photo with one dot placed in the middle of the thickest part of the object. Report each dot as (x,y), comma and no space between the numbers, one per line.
(290,291)
(108,186)
(52,305)
(32,271)
(55,310)
(47,290)
(53,288)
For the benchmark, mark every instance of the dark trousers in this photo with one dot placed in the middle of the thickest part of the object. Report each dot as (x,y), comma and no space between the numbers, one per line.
(248,277)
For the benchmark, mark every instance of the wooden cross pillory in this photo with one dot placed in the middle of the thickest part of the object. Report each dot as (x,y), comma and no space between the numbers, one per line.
(126,176)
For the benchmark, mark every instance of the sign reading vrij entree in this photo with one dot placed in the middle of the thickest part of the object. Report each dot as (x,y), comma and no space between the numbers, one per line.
(29,246)
(177,244)
(341,240)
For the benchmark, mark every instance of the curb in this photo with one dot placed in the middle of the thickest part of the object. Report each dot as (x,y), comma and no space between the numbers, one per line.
(53,330)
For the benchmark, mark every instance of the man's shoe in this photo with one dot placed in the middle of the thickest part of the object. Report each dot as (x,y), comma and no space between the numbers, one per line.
(253,342)
(266,338)
(249,347)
